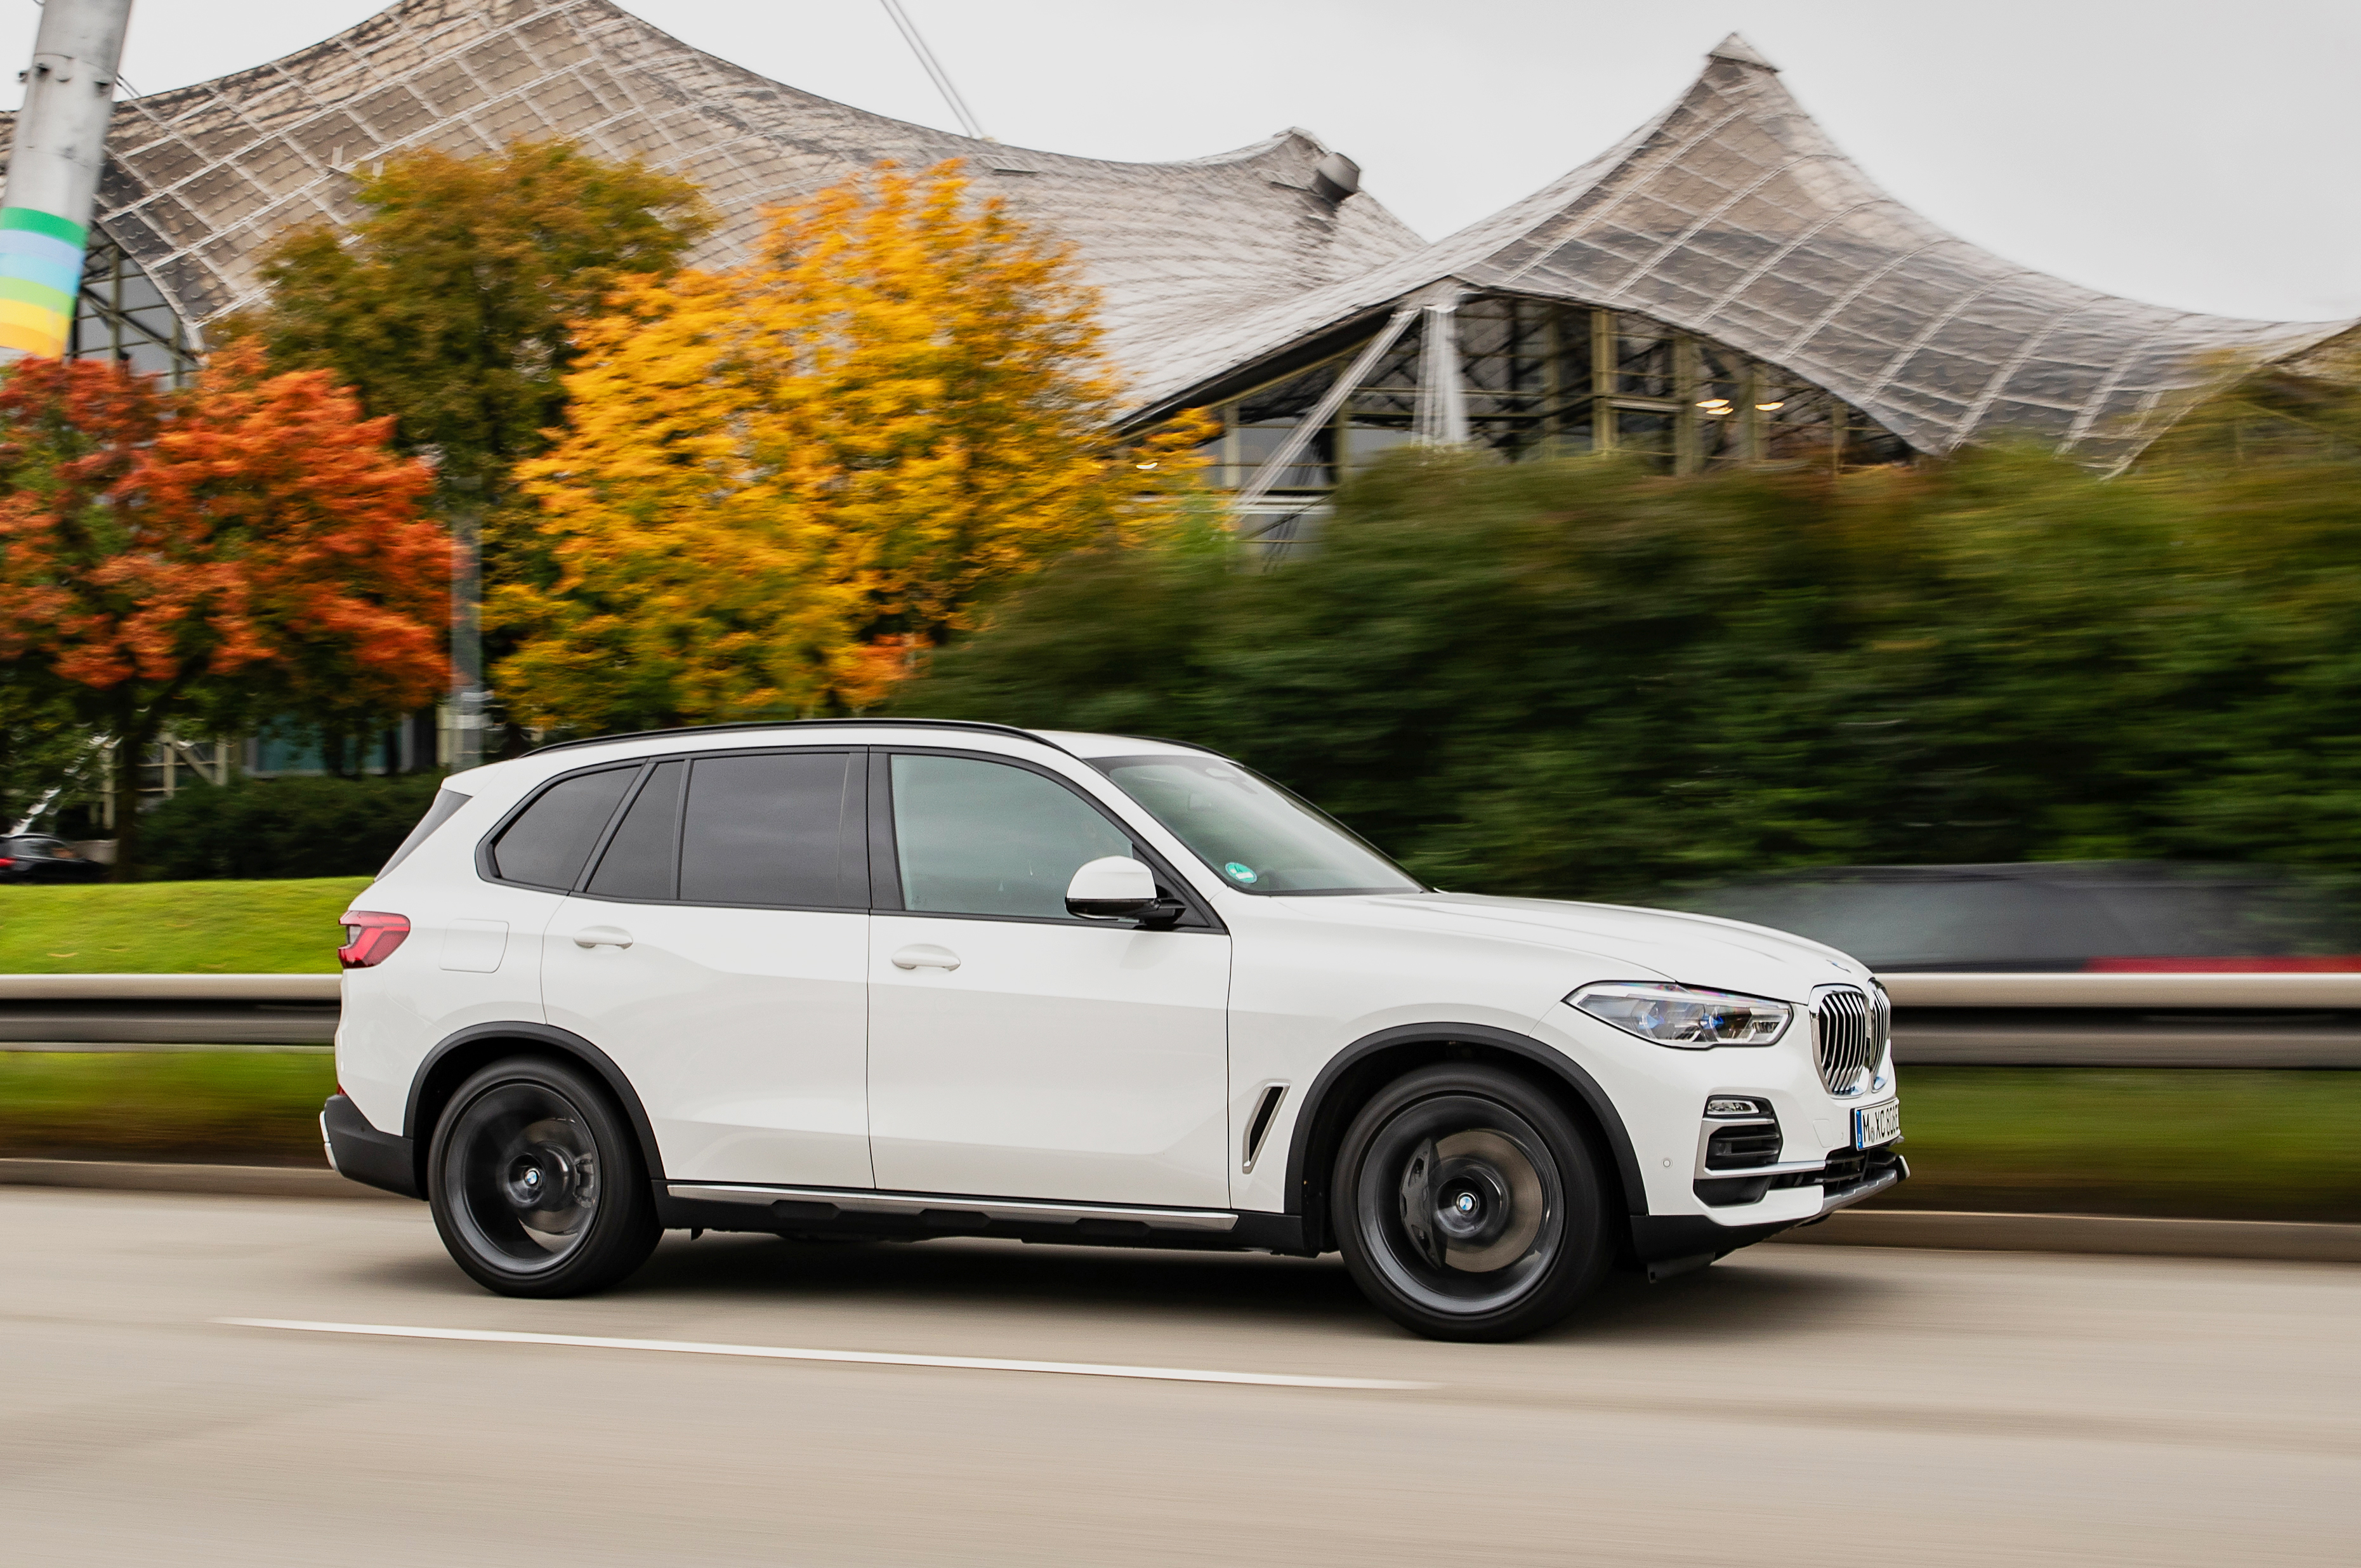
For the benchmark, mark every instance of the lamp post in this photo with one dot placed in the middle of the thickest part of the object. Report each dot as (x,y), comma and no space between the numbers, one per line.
(467,694)
(53,166)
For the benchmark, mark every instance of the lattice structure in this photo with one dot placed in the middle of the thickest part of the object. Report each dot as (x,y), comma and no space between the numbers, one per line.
(1729,260)
(200,180)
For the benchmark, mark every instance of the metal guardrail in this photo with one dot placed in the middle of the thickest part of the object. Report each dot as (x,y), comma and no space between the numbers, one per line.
(1985,1020)
(2127,1020)
(168,1012)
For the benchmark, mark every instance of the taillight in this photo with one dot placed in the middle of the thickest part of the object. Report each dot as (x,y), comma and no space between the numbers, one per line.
(7,861)
(370,938)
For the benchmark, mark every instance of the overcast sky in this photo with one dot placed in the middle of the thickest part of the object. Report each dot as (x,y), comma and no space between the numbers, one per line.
(2196,153)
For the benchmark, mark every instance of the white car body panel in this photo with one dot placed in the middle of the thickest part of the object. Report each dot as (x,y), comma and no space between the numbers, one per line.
(745,1031)
(1055,1061)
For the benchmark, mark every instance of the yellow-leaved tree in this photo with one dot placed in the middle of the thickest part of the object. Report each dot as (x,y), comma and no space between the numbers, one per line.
(780,485)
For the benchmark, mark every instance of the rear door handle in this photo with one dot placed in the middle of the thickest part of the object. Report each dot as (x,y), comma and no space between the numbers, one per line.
(926,955)
(602,937)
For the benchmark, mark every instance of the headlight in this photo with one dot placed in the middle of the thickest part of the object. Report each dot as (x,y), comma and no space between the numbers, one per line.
(1685,1016)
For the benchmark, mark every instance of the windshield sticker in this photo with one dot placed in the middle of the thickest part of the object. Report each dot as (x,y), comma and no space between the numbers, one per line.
(1243,873)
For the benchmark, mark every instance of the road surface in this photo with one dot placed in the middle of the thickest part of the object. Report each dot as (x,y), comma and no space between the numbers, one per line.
(1803,1406)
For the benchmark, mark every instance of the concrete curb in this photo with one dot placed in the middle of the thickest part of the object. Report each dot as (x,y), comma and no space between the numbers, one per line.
(2281,1241)
(234,1180)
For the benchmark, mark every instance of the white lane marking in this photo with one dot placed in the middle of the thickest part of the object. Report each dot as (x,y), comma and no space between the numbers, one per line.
(863,1357)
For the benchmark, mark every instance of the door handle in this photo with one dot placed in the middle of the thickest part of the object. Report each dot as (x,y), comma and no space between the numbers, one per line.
(602,937)
(926,955)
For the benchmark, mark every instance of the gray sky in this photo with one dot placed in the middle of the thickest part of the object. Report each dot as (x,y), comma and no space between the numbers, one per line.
(2189,152)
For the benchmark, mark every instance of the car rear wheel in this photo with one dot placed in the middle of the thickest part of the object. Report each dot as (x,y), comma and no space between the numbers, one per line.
(1469,1206)
(535,1183)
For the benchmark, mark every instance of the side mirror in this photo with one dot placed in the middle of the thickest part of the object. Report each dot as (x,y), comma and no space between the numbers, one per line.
(1110,889)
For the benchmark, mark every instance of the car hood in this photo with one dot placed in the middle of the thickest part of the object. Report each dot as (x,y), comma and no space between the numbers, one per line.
(1635,944)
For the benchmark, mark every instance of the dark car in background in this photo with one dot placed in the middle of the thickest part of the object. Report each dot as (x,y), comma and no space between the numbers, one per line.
(32,857)
(2092,916)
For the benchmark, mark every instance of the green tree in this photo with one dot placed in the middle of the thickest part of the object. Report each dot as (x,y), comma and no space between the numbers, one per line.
(449,305)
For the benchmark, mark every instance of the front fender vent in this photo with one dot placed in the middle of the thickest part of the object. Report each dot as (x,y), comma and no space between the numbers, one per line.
(1266,1111)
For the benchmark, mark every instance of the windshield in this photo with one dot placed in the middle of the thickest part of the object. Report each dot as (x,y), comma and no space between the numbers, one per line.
(1257,836)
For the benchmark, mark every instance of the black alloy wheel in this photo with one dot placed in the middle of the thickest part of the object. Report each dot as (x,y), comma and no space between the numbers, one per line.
(1469,1206)
(535,1183)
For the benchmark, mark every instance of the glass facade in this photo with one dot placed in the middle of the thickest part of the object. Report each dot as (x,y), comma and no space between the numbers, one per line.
(121,315)
(1541,377)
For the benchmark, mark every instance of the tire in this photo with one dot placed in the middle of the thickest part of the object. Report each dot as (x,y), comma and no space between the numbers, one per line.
(536,1184)
(1469,1206)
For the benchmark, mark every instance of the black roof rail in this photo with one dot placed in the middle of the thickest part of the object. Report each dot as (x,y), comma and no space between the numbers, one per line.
(797,723)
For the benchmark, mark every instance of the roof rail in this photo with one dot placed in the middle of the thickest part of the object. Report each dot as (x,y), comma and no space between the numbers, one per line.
(796,723)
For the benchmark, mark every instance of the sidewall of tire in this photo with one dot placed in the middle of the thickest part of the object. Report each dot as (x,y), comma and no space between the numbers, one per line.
(622,1233)
(1587,1247)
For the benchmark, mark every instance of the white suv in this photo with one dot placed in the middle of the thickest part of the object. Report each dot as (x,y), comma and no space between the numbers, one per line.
(902,978)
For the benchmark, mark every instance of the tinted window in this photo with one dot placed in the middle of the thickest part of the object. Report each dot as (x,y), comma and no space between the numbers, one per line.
(975,837)
(770,829)
(548,844)
(639,859)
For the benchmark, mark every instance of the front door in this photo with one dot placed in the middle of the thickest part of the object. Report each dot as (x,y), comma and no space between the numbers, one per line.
(1015,1050)
(716,951)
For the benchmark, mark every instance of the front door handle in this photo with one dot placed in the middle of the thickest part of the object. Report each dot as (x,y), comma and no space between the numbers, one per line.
(926,955)
(602,937)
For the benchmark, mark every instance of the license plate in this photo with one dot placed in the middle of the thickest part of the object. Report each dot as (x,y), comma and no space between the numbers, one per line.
(1875,1125)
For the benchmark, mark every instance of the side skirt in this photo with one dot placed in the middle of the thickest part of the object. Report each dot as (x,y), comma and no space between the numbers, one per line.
(914,1216)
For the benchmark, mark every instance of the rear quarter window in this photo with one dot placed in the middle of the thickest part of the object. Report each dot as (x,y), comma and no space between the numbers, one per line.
(549,842)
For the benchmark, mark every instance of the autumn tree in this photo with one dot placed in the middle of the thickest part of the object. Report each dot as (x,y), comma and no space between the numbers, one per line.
(250,547)
(779,483)
(447,305)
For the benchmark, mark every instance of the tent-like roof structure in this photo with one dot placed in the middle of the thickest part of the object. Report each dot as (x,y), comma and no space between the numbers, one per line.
(201,178)
(1733,216)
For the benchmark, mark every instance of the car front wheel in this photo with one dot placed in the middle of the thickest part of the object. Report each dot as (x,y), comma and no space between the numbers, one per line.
(1469,1206)
(535,1183)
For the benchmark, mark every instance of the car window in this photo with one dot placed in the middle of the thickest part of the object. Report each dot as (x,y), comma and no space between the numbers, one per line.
(551,840)
(638,860)
(1257,836)
(772,829)
(978,838)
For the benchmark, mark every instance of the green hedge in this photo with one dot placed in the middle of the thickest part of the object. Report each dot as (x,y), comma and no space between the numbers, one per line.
(283,827)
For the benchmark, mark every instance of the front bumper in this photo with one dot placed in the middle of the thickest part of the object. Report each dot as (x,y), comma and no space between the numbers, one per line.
(358,1152)
(1665,1239)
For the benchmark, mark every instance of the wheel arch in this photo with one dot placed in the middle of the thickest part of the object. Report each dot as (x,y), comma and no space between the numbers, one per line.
(450,1063)
(1355,1073)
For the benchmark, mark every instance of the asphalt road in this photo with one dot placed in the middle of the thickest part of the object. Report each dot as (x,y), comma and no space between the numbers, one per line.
(1801,1406)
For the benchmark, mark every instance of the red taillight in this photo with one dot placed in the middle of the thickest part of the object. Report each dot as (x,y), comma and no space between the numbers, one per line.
(370,938)
(7,861)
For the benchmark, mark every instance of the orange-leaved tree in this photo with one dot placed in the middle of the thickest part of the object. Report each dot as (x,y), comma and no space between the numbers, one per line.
(247,548)
(780,483)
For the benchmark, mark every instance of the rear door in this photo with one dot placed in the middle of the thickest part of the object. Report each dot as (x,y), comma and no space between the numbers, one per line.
(716,950)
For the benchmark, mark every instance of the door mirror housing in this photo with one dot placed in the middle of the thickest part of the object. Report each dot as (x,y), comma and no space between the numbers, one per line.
(1112,888)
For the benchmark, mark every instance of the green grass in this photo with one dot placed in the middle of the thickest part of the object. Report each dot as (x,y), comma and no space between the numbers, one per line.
(175,927)
(249,1107)
(2191,1141)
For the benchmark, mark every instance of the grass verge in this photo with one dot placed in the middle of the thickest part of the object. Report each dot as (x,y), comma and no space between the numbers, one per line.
(175,927)
(2189,1142)
(234,1107)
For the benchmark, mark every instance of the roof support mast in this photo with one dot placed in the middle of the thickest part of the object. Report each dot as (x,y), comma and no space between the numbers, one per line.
(968,122)
(53,166)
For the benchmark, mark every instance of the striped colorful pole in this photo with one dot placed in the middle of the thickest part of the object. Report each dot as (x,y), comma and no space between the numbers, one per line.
(53,166)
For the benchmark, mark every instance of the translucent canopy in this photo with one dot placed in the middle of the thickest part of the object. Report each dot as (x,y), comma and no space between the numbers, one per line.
(1733,216)
(199,180)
